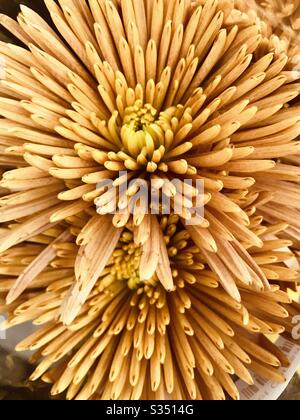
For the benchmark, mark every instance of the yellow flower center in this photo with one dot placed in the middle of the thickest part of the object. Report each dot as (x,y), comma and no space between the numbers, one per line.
(124,266)
(146,138)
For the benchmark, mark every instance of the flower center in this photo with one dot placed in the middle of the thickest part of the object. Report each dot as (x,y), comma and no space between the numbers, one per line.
(125,263)
(125,266)
(138,117)
(146,136)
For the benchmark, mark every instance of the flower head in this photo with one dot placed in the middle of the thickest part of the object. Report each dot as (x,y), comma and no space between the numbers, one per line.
(132,339)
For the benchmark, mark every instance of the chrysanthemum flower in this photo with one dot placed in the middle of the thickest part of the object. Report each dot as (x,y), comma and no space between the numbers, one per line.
(285,14)
(134,340)
(161,89)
